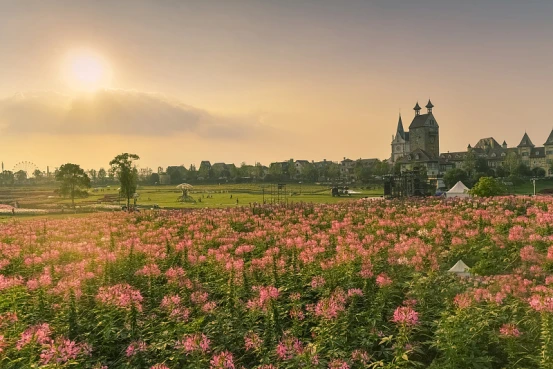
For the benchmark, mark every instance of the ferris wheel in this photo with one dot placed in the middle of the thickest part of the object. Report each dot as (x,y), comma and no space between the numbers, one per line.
(26,166)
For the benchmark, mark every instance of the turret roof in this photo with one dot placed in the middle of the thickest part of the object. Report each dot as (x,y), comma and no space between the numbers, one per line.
(525,141)
(549,139)
(400,128)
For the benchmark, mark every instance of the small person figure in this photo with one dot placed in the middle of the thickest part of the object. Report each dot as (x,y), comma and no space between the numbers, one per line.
(237,200)
(231,196)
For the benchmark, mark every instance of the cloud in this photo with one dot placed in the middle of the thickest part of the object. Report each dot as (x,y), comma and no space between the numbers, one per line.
(117,112)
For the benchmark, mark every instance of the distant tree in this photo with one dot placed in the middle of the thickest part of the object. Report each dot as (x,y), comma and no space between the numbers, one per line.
(511,162)
(245,170)
(127,174)
(93,174)
(20,176)
(358,167)
(7,178)
(177,174)
(73,181)
(309,172)
(276,171)
(37,173)
(488,186)
(452,176)
(204,171)
(333,172)
(259,171)
(470,162)
(523,170)
(382,168)
(154,178)
(365,174)
(538,172)
(102,175)
(291,169)
(481,165)
(501,172)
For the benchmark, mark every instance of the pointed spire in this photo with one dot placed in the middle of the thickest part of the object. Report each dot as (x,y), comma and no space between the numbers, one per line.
(429,106)
(417,108)
(525,141)
(400,127)
(549,140)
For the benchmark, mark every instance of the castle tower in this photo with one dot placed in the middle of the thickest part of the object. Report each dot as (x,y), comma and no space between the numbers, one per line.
(429,106)
(424,131)
(400,144)
(524,148)
(417,108)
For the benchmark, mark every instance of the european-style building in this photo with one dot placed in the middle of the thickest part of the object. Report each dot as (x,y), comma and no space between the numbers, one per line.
(418,148)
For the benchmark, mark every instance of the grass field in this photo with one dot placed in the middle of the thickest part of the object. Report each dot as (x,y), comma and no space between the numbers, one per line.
(204,196)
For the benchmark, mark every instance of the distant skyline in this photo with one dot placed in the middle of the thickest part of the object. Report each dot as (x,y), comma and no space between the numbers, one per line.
(178,82)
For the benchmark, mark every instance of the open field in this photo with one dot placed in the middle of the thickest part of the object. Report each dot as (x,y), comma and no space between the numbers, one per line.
(359,284)
(168,196)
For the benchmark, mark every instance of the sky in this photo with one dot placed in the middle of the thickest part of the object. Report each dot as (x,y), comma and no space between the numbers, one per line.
(178,82)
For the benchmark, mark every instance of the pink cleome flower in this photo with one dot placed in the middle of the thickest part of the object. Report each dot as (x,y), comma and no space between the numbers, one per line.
(120,295)
(405,315)
(509,330)
(223,360)
(192,343)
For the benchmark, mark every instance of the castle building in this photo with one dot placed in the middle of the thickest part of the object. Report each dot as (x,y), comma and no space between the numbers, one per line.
(418,148)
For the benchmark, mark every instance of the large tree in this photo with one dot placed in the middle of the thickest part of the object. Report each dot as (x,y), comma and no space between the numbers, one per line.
(487,187)
(452,176)
(73,180)
(127,174)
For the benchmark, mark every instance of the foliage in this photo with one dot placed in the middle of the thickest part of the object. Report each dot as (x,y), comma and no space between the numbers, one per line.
(126,173)
(512,162)
(452,176)
(488,186)
(73,180)
(353,285)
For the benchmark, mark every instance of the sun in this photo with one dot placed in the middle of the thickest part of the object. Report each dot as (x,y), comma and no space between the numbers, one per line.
(85,70)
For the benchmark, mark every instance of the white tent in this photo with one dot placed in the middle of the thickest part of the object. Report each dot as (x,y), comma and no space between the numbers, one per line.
(459,190)
(460,268)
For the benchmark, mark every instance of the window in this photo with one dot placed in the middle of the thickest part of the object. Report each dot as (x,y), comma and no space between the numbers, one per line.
(493,155)
(503,154)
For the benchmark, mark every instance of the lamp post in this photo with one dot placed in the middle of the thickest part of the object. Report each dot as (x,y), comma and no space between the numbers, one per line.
(534,186)
(300,183)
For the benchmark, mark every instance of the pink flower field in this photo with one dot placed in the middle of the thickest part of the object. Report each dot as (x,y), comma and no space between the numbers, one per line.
(352,285)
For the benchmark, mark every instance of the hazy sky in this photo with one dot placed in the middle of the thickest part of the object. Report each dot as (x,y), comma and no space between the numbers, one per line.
(268,80)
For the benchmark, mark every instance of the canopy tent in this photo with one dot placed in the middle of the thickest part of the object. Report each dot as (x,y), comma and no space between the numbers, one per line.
(460,268)
(459,190)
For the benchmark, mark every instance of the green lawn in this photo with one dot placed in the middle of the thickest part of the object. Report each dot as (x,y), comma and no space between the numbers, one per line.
(205,196)
(526,188)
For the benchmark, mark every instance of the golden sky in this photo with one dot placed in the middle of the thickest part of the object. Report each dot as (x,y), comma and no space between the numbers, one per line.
(180,81)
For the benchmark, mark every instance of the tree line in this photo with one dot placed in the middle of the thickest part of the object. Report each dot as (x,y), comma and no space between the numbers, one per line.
(473,168)
(74,181)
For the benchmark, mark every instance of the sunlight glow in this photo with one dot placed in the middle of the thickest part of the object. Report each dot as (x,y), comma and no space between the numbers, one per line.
(84,70)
